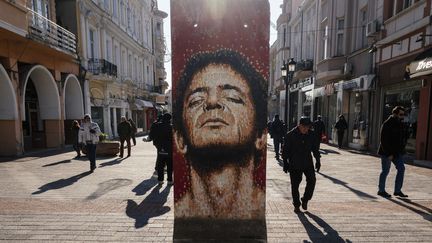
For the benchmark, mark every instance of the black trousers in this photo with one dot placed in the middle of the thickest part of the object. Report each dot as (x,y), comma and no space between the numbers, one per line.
(122,140)
(277,142)
(163,160)
(296,178)
(133,139)
(340,134)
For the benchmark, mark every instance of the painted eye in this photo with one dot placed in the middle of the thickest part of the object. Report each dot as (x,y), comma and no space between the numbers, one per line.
(195,101)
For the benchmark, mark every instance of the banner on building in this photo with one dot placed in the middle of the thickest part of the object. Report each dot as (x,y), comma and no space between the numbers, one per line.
(220,71)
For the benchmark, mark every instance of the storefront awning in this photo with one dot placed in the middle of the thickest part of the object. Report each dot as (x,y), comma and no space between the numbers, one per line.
(422,64)
(142,104)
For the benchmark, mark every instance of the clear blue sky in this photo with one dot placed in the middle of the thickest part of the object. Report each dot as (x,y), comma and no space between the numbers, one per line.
(164,5)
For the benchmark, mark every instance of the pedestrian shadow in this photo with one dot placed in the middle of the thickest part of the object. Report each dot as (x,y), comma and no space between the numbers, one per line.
(115,161)
(426,215)
(107,186)
(409,201)
(315,234)
(328,151)
(344,184)
(144,186)
(58,163)
(61,183)
(151,206)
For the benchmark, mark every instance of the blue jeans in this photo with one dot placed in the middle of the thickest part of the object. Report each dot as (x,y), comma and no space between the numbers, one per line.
(400,167)
(91,154)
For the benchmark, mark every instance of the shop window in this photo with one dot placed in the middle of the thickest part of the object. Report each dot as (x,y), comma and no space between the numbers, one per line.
(409,99)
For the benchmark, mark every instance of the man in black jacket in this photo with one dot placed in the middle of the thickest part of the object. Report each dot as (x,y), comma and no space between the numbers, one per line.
(124,130)
(391,149)
(298,145)
(277,132)
(163,140)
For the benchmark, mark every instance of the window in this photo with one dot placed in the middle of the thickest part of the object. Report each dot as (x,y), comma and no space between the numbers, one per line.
(106,5)
(284,37)
(108,50)
(115,8)
(92,43)
(363,23)
(340,37)
(130,65)
(324,42)
(158,29)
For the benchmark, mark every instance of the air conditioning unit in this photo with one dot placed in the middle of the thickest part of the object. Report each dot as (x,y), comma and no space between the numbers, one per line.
(372,28)
(347,68)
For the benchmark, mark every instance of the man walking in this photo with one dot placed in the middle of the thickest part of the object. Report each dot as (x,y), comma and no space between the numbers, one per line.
(319,129)
(124,130)
(341,125)
(164,139)
(89,135)
(134,131)
(391,149)
(299,143)
(277,132)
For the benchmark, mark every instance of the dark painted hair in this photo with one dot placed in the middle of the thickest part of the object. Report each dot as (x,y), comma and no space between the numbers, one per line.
(238,63)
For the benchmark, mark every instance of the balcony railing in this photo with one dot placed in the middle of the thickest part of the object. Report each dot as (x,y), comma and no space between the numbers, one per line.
(101,66)
(43,29)
(304,65)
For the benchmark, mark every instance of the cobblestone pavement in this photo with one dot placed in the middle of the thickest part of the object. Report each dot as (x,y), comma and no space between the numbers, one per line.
(53,198)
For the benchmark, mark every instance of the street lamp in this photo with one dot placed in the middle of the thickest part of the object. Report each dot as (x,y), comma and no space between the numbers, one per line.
(287,71)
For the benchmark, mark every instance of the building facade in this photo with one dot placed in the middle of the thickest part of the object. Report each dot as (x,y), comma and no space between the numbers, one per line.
(40,88)
(353,59)
(122,57)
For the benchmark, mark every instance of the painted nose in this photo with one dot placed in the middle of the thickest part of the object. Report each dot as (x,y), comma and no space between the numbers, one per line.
(212,102)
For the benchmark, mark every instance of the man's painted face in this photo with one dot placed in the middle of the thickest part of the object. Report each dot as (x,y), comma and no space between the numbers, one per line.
(218,108)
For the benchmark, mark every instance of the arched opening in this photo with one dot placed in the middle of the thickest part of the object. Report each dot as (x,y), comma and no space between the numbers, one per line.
(97,108)
(41,110)
(8,115)
(73,105)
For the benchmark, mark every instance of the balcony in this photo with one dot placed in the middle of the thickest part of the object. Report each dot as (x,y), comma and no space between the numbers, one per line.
(330,69)
(153,88)
(304,69)
(101,66)
(44,30)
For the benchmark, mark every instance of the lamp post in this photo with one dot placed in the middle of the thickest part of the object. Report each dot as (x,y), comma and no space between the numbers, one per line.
(287,72)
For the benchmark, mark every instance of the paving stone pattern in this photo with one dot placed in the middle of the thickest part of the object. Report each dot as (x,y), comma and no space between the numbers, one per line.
(53,198)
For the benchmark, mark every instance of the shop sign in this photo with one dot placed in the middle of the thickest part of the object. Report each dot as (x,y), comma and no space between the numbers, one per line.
(304,83)
(421,67)
(329,89)
(361,83)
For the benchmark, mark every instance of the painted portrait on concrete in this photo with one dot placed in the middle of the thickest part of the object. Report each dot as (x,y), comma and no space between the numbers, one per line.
(220,70)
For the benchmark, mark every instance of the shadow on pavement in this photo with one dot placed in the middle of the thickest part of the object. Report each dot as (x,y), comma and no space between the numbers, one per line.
(344,184)
(61,183)
(328,151)
(107,186)
(115,161)
(315,234)
(58,163)
(416,204)
(151,206)
(144,186)
(425,215)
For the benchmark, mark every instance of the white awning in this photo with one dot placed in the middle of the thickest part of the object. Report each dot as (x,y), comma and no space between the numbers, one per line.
(141,104)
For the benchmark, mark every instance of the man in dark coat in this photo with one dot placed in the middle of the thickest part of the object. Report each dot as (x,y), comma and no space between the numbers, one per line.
(134,131)
(277,133)
(391,149)
(163,140)
(341,125)
(299,143)
(319,128)
(124,130)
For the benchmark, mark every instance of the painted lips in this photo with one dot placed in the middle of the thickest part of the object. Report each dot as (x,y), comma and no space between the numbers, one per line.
(214,122)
